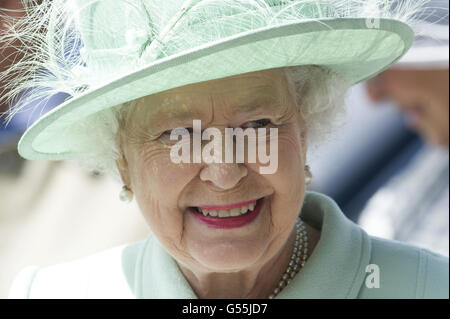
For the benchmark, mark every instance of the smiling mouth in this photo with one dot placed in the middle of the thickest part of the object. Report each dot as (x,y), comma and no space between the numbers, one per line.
(228,216)
(228,211)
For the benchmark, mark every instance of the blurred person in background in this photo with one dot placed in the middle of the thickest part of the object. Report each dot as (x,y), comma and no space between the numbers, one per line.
(414,205)
(38,213)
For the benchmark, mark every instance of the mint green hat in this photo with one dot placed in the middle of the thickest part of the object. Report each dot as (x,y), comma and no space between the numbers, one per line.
(103,53)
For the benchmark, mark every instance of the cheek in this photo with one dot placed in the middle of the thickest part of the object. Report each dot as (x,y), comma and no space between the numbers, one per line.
(289,179)
(291,152)
(289,174)
(290,146)
(287,182)
(157,184)
(153,172)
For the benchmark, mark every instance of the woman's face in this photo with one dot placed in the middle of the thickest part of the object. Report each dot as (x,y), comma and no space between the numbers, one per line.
(169,194)
(422,95)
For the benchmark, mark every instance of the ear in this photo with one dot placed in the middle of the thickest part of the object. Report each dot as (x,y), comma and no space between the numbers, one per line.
(304,140)
(122,167)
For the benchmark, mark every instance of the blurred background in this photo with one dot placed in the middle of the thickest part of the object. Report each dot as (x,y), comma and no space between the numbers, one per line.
(389,170)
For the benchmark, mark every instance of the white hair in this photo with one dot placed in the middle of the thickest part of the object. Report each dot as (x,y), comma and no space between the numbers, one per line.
(318,93)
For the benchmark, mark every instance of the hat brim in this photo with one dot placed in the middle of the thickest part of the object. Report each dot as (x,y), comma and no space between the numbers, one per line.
(350,47)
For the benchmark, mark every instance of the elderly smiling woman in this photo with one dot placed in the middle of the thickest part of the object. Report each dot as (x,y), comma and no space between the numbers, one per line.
(141,72)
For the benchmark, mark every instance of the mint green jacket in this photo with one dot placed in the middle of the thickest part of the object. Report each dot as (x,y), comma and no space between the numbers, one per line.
(346,263)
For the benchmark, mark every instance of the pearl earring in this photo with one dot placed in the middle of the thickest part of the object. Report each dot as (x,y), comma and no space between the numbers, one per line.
(308,175)
(126,194)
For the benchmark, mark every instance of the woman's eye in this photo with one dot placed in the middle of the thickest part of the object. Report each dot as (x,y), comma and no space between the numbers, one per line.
(179,131)
(257,124)
(176,133)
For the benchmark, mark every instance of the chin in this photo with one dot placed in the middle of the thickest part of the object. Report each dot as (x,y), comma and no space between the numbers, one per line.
(228,256)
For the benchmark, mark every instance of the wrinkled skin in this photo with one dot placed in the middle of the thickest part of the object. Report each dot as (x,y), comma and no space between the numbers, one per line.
(244,262)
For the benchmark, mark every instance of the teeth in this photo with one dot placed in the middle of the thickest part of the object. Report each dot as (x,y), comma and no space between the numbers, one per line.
(235,212)
(212,213)
(224,213)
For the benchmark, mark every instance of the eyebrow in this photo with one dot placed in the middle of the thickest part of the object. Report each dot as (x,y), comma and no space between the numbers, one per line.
(250,106)
(253,105)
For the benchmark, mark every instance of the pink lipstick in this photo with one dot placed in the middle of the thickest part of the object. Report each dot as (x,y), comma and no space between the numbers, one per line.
(228,222)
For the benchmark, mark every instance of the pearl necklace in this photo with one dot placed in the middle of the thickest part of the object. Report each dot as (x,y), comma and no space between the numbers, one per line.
(298,258)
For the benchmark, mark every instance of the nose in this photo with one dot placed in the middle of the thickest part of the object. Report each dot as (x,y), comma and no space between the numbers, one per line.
(224,175)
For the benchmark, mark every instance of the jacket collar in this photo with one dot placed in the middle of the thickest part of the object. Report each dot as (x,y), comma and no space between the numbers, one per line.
(336,268)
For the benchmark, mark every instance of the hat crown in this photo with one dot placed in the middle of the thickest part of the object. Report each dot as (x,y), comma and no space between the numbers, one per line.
(122,35)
